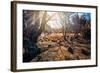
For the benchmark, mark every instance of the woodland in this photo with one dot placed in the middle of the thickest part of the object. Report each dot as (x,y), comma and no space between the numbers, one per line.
(56,36)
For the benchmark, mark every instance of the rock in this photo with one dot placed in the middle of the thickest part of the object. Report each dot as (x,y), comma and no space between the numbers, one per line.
(71,50)
(85,52)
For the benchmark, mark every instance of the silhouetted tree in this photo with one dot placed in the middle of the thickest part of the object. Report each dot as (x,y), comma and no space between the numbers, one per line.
(85,22)
(33,25)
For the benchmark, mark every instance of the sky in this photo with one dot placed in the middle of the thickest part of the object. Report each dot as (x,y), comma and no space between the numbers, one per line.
(55,20)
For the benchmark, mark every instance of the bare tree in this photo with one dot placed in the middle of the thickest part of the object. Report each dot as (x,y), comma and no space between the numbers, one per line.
(34,25)
(65,23)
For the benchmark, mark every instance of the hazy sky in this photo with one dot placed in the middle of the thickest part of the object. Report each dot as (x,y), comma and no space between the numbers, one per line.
(55,20)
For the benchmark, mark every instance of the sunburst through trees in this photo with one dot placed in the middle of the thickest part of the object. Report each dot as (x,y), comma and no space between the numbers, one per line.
(56,36)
